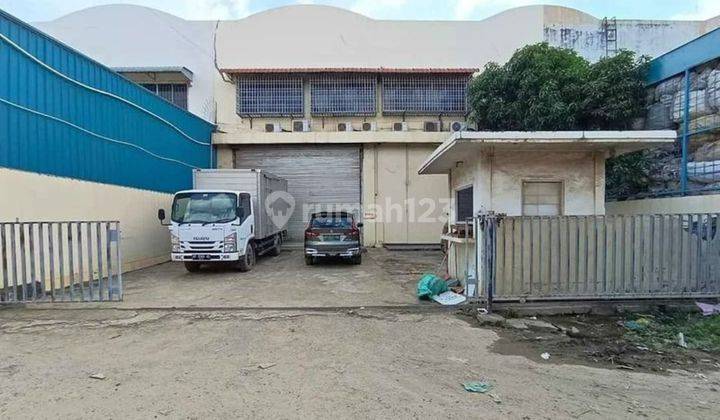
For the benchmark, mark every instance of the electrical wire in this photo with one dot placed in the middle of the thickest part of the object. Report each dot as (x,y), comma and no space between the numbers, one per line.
(102,92)
(100,136)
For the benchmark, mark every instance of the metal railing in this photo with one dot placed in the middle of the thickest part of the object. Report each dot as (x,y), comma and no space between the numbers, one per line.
(601,257)
(60,261)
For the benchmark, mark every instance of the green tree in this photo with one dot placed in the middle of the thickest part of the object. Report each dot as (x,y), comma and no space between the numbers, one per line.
(614,93)
(548,88)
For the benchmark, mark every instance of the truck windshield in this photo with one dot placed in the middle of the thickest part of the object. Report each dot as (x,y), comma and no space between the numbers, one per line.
(204,208)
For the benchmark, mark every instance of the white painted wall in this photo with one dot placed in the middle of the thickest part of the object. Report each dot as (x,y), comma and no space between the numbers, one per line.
(497,179)
(134,36)
(29,196)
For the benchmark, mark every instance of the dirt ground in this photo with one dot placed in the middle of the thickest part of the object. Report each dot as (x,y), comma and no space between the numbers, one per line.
(165,353)
(312,364)
(384,278)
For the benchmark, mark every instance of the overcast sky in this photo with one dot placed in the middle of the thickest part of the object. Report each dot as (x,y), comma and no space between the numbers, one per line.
(39,10)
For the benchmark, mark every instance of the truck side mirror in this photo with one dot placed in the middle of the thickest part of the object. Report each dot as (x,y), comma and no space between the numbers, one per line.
(161,214)
(360,224)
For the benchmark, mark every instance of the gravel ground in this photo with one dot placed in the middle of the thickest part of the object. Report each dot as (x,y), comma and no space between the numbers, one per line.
(316,364)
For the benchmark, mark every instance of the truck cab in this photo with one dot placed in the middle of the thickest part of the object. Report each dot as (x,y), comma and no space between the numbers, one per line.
(209,226)
(225,219)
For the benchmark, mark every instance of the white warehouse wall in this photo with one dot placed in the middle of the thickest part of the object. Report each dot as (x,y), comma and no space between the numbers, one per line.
(29,196)
(135,36)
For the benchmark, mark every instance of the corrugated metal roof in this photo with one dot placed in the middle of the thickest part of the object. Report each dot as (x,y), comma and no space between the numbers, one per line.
(65,114)
(354,70)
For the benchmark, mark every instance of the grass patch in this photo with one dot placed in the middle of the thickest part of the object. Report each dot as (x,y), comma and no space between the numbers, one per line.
(660,331)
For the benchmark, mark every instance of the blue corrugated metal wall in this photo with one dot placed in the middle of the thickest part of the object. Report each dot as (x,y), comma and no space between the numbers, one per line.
(55,143)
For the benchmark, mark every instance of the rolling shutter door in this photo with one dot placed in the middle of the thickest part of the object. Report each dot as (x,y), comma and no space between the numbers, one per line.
(317,176)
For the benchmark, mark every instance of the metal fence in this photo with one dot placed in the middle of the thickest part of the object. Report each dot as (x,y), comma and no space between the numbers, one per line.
(60,261)
(600,257)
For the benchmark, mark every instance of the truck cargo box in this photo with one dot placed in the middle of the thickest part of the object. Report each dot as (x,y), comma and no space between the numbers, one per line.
(258,183)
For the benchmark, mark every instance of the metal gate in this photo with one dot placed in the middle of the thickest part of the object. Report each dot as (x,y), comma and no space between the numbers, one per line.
(320,177)
(600,257)
(60,261)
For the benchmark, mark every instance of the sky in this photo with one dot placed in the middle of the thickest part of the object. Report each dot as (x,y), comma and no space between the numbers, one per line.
(41,10)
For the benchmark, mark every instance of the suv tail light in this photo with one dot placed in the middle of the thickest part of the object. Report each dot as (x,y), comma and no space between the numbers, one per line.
(311,235)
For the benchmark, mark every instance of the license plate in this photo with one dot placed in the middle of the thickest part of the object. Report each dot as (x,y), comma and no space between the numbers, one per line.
(331,237)
(201,257)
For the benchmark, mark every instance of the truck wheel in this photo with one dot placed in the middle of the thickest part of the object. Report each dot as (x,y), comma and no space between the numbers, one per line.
(356,260)
(192,267)
(309,260)
(247,261)
(275,250)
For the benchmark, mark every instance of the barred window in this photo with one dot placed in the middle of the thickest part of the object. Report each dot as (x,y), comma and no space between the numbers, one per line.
(175,93)
(343,94)
(269,95)
(424,94)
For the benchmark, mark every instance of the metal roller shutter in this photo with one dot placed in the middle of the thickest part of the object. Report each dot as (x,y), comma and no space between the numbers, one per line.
(317,175)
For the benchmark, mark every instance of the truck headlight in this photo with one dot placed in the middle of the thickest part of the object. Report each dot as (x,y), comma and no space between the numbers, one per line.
(230,244)
(175,243)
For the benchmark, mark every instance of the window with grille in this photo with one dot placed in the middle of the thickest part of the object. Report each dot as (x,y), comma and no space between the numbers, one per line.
(463,204)
(424,94)
(175,93)
(542,198)
(269,95)
(343,94)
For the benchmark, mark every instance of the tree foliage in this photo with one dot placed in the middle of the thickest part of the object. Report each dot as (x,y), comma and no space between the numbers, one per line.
(547,88)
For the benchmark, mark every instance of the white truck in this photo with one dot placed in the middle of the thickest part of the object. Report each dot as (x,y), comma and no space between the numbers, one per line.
(230,216)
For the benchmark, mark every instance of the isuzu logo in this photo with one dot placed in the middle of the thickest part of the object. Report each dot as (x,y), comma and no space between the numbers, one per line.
(201,238)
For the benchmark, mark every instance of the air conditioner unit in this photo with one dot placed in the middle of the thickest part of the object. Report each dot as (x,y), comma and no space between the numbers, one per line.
(400,126)
(369,126)
(345,126)
(458,126)
(273,127)
(301,125)
(431,126)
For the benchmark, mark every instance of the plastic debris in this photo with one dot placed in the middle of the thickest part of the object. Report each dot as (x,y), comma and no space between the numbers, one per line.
(708,309)
(449,298)
(545,356)
(266,365)
(681,340)
(477,386)
(430,285)
(99,376)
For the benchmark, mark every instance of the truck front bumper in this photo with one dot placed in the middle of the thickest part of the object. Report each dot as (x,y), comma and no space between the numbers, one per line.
(205,257)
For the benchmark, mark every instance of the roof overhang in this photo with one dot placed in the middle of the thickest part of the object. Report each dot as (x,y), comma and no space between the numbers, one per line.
(462,144)
(180,71)
(467,71)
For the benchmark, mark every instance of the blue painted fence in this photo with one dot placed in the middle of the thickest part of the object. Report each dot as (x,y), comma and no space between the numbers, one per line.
(64,114)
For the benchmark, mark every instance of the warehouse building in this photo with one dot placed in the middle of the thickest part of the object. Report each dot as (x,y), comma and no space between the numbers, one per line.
(80,143)
(343,106)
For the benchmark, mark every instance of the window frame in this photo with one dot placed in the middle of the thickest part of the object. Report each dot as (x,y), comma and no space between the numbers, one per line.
(385,80)
(173,90)
(457,192)
(561,204)
(368,80)
(291,79)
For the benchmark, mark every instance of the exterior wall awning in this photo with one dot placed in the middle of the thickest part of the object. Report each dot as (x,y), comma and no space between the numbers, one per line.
(161,74)
(462,144)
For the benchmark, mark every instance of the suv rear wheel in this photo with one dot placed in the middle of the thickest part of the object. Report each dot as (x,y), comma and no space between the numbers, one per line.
(357,259)
(309,260)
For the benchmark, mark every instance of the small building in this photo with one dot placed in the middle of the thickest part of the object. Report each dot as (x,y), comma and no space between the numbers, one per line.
(526,174)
